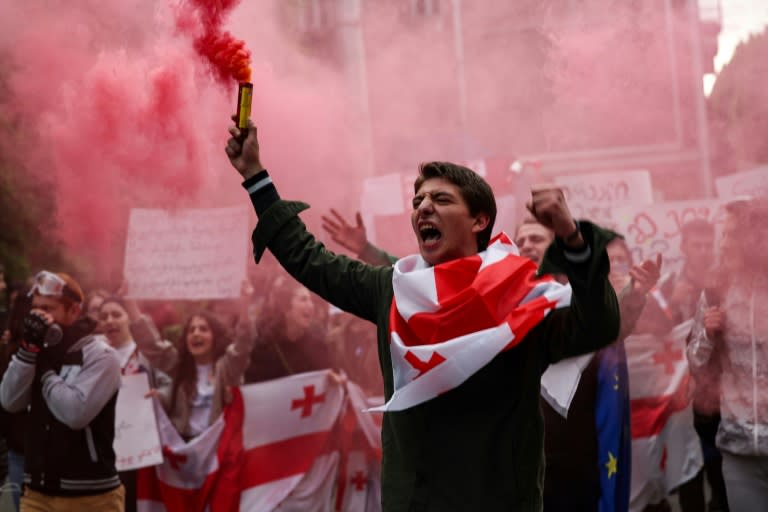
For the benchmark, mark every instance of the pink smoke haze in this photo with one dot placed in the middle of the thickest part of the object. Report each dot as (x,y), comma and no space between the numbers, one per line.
(120,126)
(125,113)
(120,110)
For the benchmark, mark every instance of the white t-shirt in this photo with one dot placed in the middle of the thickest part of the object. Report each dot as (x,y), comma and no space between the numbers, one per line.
(125,352)
(203,401)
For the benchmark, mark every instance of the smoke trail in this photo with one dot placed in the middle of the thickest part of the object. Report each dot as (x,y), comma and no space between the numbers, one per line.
(228,57)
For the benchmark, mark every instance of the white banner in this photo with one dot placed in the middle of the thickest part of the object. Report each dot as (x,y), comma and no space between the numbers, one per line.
(137,443)
(655,228)
(748,183)
(595,196)
(382,195)
(186,254)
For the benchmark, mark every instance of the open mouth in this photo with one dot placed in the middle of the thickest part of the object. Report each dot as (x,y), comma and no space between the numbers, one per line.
(429,233)
(196,344)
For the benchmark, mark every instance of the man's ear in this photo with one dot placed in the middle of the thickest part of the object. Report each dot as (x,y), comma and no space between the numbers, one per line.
(73,312)
(481,222)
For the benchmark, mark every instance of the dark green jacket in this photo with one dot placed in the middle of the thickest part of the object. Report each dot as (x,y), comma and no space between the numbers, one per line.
(478,447)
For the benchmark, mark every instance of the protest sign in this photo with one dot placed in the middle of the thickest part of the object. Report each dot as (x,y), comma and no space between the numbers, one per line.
(386,213)
(382,195)
(748,183)
(594,196)
(137,443)
(655,228)
(186,254)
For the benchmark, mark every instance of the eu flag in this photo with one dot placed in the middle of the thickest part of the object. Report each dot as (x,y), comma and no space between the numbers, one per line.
(612,421)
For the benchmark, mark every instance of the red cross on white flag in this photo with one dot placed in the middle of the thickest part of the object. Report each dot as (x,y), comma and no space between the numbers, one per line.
(665,447)
(450,320)
(308,402)
(274,447)
(668,355)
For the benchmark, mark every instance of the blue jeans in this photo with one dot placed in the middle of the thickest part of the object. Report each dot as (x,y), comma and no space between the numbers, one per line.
(15,479)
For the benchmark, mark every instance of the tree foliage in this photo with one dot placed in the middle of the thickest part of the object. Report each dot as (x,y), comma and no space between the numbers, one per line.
(738,108)
(26,202)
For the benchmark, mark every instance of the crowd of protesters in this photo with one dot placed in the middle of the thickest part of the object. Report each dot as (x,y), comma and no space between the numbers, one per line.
(193,357)
(57,424)
(725,349)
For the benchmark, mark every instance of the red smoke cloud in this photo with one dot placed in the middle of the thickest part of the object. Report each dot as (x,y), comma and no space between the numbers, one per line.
(126,115)
(228,57)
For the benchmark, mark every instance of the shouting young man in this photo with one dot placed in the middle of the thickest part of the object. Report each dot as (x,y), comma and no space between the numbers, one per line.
(465,330)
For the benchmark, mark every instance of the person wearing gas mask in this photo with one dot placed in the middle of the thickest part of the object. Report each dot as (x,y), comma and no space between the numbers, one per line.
(68,378)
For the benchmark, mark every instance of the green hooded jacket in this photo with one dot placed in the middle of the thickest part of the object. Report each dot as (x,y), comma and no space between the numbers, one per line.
(478,447)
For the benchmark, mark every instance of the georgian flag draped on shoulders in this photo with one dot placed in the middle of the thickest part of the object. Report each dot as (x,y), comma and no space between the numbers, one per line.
(450,320)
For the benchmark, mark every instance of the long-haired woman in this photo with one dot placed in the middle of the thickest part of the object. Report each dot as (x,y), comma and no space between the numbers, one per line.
(204,365)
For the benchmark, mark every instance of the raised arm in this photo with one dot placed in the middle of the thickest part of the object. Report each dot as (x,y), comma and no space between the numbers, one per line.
(632,298)
(592,320)
(344,282)
(232,365)
(160,353)
(355,238)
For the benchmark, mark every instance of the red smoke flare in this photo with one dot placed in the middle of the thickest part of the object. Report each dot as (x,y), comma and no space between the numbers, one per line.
(229,58)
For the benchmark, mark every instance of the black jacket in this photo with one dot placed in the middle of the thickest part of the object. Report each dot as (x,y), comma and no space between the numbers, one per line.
(71,391)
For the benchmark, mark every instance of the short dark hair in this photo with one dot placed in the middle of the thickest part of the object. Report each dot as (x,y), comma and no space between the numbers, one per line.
(529,220)
(619,241)
(696,227)
(113,299)
(475,191)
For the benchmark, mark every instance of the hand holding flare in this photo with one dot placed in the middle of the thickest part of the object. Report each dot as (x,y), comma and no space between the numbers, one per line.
(243,150)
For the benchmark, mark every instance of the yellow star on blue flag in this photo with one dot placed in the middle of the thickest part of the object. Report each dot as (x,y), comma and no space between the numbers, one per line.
(614,440)
(611,465)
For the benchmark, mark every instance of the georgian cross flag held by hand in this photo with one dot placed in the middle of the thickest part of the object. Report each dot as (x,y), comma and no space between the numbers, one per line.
(273,447)
(665,447)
